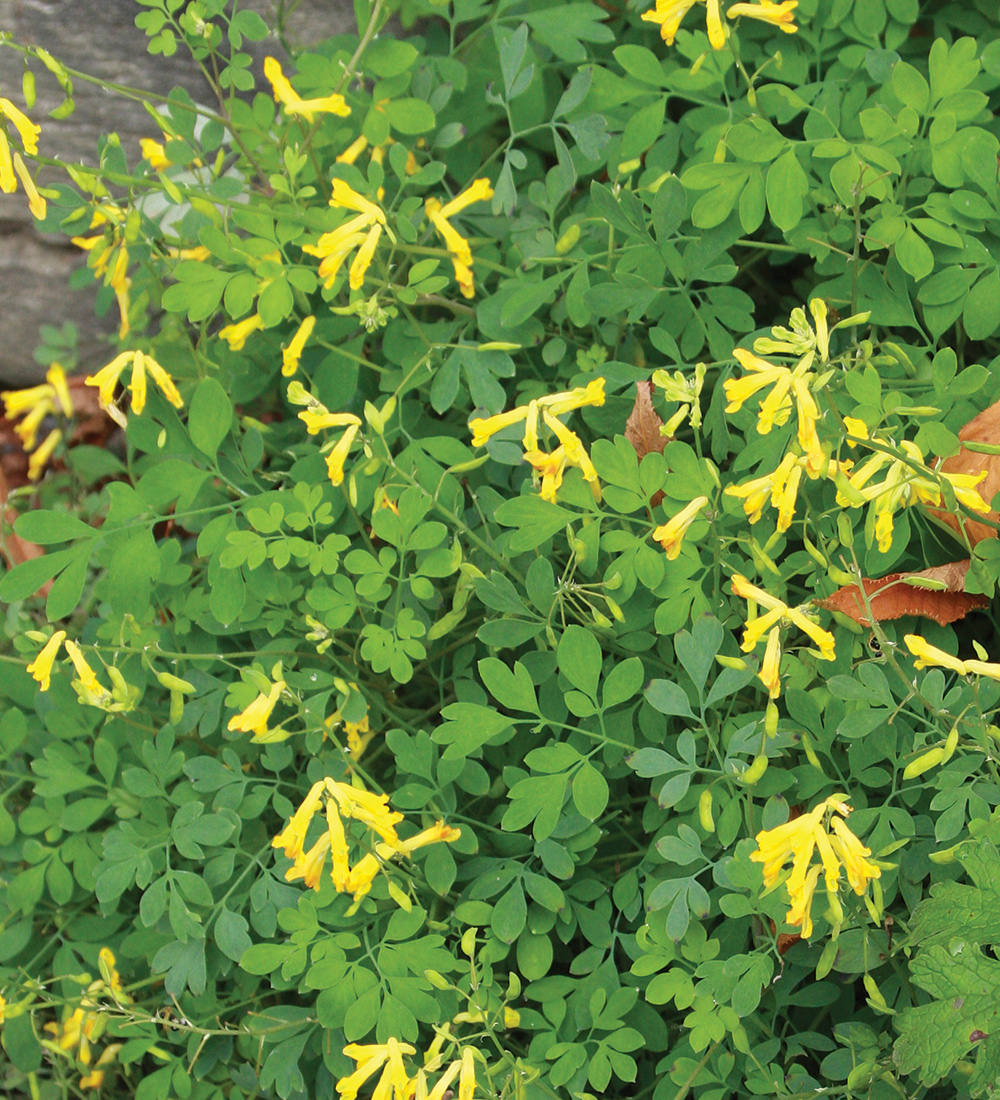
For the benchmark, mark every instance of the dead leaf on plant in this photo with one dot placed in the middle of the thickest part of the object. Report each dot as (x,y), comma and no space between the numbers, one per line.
(642,429)
(943,606)
(984,428)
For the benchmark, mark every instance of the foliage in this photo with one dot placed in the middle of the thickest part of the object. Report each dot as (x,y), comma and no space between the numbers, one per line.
(376,558)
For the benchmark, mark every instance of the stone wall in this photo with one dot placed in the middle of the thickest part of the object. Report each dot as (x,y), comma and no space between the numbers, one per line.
(97,37)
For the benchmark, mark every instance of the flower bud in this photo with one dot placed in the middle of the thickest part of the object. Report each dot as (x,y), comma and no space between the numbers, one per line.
(705,811)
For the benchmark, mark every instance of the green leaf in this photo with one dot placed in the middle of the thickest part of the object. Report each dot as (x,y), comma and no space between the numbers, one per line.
(46,527)
(386,57)
(264,958)
(25,579)
(410,116)
(641,63)
(509,914)
(210,416)
(786,187)
(914,255)
(468,727)
(590,792)
(981,315)
(231,935)
(511,688)
(667,698)
(580,659)
(910,87)
(537,521)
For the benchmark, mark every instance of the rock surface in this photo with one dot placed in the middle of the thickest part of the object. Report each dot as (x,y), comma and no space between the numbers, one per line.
(97,37)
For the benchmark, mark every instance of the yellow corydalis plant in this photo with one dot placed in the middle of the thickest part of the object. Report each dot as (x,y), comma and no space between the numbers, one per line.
(929,656)
(31,406)
(337,802)
(777,615)
(824,830)
(254,718)
(570,451)
(12,167)
(293,104)
(439,216)
(317,417)
(670,535)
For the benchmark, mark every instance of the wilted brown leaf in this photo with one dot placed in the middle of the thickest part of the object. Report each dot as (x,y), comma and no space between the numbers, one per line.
(984,428)
(642,429)
(943,607)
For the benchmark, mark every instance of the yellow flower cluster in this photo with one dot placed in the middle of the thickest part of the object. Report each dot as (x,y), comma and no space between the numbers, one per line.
(439,216)
(122,696)
(907,481)
(354,803)
(781,488)
(395,1081)
(255,717)
(293,103)
(107,379)
(99,259)
(670,13)
(85,1023)
(777,614)
(361,232)
(799,839)
(929,656)
(31,406)
(317,417)
(28,132)
(570,452)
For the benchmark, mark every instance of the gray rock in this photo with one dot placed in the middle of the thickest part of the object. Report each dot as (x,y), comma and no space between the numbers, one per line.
(98,37)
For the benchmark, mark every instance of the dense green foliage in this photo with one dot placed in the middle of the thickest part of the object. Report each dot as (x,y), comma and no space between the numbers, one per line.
(305,565)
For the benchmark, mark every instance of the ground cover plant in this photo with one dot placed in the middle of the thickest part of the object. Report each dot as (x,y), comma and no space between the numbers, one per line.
(525,630)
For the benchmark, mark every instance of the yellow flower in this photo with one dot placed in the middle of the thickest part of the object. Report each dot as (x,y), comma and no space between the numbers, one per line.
(799,914)
(27,130)
(370,1059)
(778,14)
(39,459)
(291,355)
(551,467)
(41,666)
(310,866)
(363,258)
(438,833)
(929,656)
(293,103)
(254,718)
(857,428)
(236,334)
(990,669)
(851,853)
(362,875)
(317,421)
(163,381)
(56,378)
(576,453)
(716,30)
(344,196)
(444,1083)
(739,390)
(669,14)
(36,204)
(467,1077)
(87,675)
(358,735)
(556,404)
(334,248)
(353,151)
(770,673)
(461,255)
(671,534)
(154,152)
(338,456)
(341,870)
(292,837)
(8,181)
(370,809)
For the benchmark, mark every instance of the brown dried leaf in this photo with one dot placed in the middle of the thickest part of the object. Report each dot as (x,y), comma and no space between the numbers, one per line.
(642,429)
(902,599)
(984,428)
(15,549)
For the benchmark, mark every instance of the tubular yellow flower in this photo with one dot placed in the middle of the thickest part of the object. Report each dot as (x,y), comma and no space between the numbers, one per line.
(154,152)
(254,718)
(559,403)
(669,14)
(107,378)
(87,675)
(453,240)
(467,1076)
(397,1071)
(334,248)
(309,868)
(716,30)
(799,914)
(28,428)
(353,151)
(457,245)
(27,130)
(478,191)
(293,103)
(41,666)
(163,381)
(576,453)
(929,656)
(551,467)
(137,383)
(671,534)
(362,875)
(438,833)
(739,390)
(292,837)
(340,872)
(370,1060)
(856,428)
(779,15)
(317,421)
(484,430)
(56,378)
(770,674)
(362,261)
(359,734)
(823,638)
(851,853)
(989,669)
(40,457)
(785,490)
(370,809)
(236,334)
(8,181)
(345,196)
(36,204)
(291,355)
(444,1083)
(338,456)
